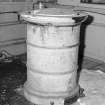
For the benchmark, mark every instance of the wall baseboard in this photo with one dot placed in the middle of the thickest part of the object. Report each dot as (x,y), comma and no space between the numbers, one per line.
(12,42)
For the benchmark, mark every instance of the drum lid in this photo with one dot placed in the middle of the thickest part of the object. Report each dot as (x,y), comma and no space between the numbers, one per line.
(55,16)
(56,12)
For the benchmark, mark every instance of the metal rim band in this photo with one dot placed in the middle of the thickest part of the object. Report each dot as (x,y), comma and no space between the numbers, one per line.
(53,73)
(49,24)
(44,47)
(58,94)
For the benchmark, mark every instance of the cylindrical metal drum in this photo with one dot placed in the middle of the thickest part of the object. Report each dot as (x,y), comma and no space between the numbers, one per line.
(52,55)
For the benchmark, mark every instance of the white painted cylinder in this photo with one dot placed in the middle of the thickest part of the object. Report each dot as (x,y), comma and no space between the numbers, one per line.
(52,55)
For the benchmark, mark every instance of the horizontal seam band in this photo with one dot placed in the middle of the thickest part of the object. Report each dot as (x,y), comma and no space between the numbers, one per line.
(66,47)
(53,73)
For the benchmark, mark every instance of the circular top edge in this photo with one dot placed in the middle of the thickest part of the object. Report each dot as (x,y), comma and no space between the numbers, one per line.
(55,16)
(54,12)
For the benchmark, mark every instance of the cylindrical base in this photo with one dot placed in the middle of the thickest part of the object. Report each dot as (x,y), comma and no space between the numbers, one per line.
(51,100)
(52,75)
(52,54)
